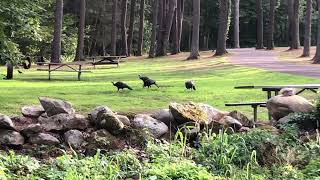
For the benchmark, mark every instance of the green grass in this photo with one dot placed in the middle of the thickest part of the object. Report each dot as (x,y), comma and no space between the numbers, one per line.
(214,77)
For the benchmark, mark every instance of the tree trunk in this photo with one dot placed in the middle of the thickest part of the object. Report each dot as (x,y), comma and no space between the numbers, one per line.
(175,34)
(307,31)
(259,25)
(270,40)
(131,26)
(9,71)
(124,28)
(169,19)
(236,23)
(293,14)
(82,20)
(154,29)
(56,43)
(316,59)
(180,12)
(223,27)
(161,17)
(114,28)
(194,54)
(141,28)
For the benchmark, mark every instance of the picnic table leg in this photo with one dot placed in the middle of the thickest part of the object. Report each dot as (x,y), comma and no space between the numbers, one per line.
(255,115)
(49,72)
(276,93)
(118,62)
(79,73)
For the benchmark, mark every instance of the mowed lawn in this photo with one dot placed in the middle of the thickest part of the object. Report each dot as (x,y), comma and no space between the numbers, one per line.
(215,79)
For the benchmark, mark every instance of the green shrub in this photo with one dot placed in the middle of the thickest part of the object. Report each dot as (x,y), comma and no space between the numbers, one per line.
(313,168)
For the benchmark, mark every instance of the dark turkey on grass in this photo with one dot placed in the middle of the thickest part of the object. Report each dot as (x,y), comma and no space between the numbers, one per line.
(121,85)
(148,82)
(190,85)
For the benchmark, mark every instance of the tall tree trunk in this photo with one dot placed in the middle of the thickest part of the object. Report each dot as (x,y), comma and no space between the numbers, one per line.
(259,24)
(175,33)
(56,43)
(131,26)
(124,7)
(270,40)
(293,13)
(307,30)
(154,29)
(223,27)
(169,19)
(114,28)
(194,54)
(141,28)
(236,23)
(316,59)
(82,20)
(161,17)
(180,12)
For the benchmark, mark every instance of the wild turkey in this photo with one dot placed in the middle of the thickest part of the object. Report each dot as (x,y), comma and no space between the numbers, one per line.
(147,82)
(190,85)
(20,72)
(121,85)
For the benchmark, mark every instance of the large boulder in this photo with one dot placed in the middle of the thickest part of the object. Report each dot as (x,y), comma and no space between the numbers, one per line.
(64,122)
(96,112)
(56,106)
(44,139)
(155,127)
(165,116)
(74,138)
(9,137)
(31,130)
(282,105)
(110,122)
(195,112)
(243,119)
(226,122)
(32,111)
(6,122)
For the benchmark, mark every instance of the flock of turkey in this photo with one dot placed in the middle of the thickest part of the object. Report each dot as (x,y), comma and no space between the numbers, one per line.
(148,82)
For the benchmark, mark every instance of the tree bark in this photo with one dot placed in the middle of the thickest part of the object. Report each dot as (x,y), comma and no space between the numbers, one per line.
(223,27)
(141,28)
(194,54)
(114,28)
(56,43)
(169,19)
(316,58)
(175,34)
(81,33)
(307,31)
(131,26)
(293,14)
(180,12)
(154,29)
(259,24)
(270,40)
(236,23)
(161,17)
(124,7)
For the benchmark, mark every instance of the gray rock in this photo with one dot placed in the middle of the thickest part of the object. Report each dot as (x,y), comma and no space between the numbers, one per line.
(44,139)
(195,112)
(283,120)
(6,122)
(96,112)
(74,138)
(64,122)
(124,119)
(243,119)
(32,111)
(226,122)
(110,122)
(31,130)
(103,138)
(165,116)
(281,106)
(56,106)
(155,127)
(9,137)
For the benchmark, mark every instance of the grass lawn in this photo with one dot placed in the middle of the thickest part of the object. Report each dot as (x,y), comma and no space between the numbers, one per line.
(214,77)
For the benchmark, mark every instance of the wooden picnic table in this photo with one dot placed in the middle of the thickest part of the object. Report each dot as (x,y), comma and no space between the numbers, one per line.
(105,60)
(277,88)
(62,67)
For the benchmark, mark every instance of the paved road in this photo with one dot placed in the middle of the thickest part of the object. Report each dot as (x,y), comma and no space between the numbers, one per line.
(268,60)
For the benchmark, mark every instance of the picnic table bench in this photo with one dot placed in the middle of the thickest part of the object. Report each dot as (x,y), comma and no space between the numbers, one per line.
(106,60)
(254,106)
(62,67)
